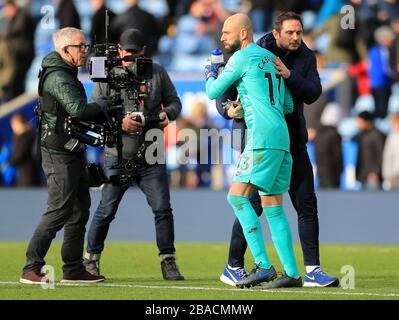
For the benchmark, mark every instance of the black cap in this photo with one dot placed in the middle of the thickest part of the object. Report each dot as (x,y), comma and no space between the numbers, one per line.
(365,115)
(132,39)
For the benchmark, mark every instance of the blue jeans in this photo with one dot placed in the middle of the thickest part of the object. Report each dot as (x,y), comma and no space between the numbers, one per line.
(153,181)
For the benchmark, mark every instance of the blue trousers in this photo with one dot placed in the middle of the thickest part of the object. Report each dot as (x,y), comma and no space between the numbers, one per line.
(153,181)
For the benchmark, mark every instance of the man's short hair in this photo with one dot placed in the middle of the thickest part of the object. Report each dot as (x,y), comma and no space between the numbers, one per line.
(63,37)
(384,32)
(366,116)
(290,15)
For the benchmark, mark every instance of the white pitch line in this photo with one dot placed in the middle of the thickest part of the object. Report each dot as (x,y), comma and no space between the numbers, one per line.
(294,291)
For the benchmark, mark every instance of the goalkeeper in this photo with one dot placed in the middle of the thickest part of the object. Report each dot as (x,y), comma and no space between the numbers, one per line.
(265,164)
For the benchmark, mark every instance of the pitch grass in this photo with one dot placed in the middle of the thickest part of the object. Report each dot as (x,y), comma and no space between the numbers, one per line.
(133,272)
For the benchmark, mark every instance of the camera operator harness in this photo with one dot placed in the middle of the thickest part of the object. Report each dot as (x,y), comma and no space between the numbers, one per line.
(57,138)
(106,67)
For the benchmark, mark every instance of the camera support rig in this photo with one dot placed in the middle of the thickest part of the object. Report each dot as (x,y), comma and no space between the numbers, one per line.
(109,133)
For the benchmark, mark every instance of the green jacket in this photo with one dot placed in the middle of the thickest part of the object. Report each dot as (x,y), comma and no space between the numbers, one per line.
(66,89)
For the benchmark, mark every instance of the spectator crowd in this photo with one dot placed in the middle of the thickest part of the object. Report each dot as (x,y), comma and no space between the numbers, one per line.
(363,109)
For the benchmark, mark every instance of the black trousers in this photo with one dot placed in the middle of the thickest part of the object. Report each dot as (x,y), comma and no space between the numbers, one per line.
(381,99)
(303,199)
(68,208)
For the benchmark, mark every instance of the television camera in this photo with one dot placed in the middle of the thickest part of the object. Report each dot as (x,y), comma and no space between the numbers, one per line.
(105,65)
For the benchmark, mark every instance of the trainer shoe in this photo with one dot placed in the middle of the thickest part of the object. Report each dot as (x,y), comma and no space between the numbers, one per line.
(84,277)
(256,276)
(33,277)
(169,268)
(92,263)
(318,278)
(232,275)
(284,281)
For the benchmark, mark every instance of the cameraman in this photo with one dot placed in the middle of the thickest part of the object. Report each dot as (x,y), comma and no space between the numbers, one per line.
(63,160)
(151,179)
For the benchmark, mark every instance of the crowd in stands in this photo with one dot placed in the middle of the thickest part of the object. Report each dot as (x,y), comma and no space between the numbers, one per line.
(360,37)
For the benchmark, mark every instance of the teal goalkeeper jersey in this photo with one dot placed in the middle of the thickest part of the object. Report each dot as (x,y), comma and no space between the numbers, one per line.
(264,96)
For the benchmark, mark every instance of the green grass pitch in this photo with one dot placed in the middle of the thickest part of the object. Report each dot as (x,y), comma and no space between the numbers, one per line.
(133,271)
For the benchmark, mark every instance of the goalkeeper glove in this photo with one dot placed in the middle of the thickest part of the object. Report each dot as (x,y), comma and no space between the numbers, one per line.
(212,70)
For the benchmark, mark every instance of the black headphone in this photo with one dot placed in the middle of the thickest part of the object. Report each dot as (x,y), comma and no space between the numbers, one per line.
(66,51)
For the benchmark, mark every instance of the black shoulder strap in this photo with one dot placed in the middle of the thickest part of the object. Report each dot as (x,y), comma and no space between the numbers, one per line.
(43,73)
(48,103)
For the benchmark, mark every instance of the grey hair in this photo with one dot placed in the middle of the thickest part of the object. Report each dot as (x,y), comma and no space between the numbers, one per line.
(383,32)
(63,37)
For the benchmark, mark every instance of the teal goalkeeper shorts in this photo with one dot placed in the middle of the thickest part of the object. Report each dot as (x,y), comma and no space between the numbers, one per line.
(268,169)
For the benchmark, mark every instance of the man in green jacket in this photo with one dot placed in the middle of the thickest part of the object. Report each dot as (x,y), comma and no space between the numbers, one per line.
(63,160)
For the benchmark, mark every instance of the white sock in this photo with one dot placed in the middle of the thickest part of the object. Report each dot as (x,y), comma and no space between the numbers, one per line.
(92,256)
(162,257)
(311,268)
